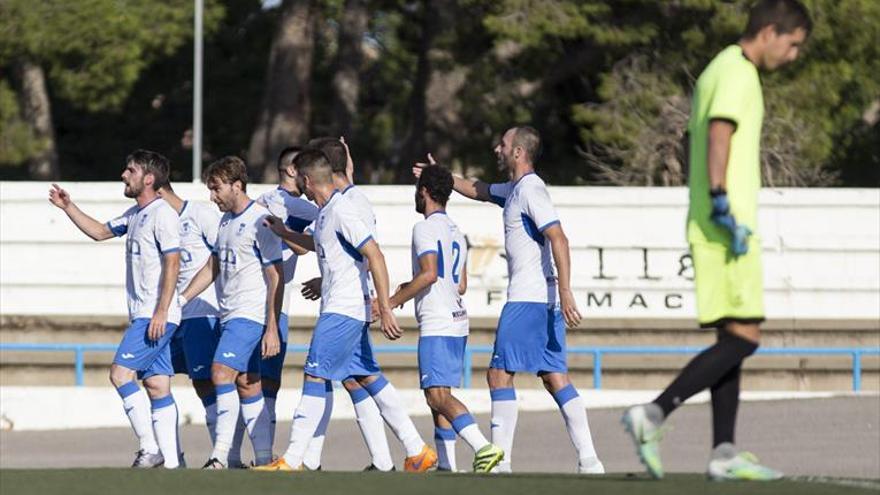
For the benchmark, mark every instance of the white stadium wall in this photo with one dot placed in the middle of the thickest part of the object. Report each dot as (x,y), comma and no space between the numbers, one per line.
(630,260)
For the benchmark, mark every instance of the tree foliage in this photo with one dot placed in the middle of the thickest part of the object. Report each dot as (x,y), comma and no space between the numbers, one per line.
(607,82)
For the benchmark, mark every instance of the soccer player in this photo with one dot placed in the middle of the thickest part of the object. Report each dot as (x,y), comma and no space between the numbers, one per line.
(373,396)
(195,341)
(439,255)
(286,203)
(247,272)
(725,175)
(531,330)
(345,247)
(152,256)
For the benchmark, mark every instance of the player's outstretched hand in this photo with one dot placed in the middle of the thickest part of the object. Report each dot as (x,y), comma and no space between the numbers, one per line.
(275,225)
(389,325)
(59,197)
(569,308)
(271,342)
(417,168)
(157,325)
(311,289)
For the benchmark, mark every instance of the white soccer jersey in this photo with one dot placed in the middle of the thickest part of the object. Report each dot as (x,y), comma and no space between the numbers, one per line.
(362,206)
(339,233)
(297,214)
(151,232)
(528,211)
(439,308)
(198,231)
(244,246)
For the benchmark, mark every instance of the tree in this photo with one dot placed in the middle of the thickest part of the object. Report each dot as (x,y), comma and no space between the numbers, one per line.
(90,53)
(286,108)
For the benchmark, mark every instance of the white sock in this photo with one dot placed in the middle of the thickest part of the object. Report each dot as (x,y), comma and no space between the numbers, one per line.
(273,418)
(256,420)
(228,406)
(164,413)
(467,428)
(234,456)
(305,421)
(369,420)
(395,415)
(504,414)
(210,404)
(444,440)
(137,408)
(575,415)
(312,459)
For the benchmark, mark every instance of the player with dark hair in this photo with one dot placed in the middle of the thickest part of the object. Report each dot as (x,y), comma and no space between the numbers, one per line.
(725,176)
(540,303)
(346,250)
(152,255)
(439,264)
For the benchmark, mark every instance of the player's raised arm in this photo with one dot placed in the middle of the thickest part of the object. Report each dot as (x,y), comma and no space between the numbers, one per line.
(370,251)
(425,278)
(300,243)
(469,188)
(88,225)
(562,259)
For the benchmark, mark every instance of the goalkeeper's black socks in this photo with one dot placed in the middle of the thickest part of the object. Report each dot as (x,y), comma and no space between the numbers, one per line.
(717,368)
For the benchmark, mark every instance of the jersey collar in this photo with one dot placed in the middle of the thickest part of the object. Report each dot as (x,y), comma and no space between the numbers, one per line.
(347,188)
(142,208)
(246,208)
(183,208)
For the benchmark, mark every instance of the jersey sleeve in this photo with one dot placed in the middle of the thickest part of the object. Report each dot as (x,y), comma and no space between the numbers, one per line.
(209,222)
(300,214)
(499,191)
(119,225)
(353,231)
(424,239)
(733,94)
(268,245)
(167,230)
(539,207)
(273,203)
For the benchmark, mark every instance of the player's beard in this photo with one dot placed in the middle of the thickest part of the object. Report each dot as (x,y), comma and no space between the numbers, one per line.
(420,203)
(133,189)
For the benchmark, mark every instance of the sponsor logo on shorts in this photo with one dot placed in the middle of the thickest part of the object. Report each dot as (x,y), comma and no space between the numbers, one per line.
(229,354)
(311,364)
(127,355)
(198,368)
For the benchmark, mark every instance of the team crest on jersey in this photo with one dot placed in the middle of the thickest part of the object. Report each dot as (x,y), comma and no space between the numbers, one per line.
(185,227)
(241,227)
(143,219)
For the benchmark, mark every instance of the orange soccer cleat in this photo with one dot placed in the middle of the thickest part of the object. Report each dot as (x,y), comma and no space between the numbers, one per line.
(425,460)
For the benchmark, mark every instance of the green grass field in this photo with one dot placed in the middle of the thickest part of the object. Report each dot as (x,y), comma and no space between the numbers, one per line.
(186,482)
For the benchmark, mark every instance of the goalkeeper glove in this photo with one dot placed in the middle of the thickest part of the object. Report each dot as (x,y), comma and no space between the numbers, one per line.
(722,217)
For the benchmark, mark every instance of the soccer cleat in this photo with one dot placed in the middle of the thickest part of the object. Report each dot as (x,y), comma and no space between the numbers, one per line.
(487,458)
(372,467)
(278,465)
(646,435)
(742,466)
(423,461)
(214,463)
(146,460)
(591,466)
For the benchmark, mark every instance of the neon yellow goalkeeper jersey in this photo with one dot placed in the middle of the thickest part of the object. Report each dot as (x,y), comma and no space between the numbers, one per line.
(730,89)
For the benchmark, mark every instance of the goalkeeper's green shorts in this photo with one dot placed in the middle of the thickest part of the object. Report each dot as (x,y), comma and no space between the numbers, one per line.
(728,288)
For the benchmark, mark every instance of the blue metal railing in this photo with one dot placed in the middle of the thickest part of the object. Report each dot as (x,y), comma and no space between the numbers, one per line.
(597,352)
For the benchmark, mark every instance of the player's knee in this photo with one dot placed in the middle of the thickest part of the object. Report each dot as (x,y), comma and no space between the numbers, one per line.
(351,384)
(248,384)
(436,397)
(497,378)
(119,376)
(555,381)
(221,374)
